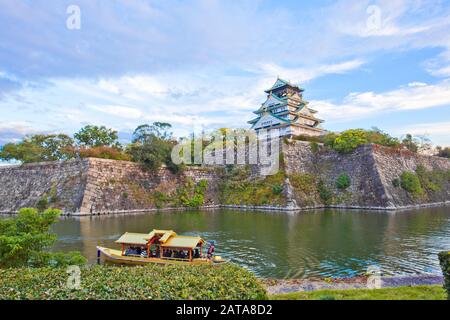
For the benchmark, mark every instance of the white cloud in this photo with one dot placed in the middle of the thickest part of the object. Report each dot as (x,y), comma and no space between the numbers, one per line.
(438,132)
(366,104)
(440,72)
(271,70)
(416,84)
(118,111)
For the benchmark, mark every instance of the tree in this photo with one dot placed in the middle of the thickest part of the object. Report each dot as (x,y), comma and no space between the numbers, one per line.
(377,136)
(26,238)
(410,143)
(39,147)
(349,140)
(95,136)
(443,152)
(158,129)
(152,146)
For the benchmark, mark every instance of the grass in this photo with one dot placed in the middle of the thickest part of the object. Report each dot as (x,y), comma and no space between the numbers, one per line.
(434,292)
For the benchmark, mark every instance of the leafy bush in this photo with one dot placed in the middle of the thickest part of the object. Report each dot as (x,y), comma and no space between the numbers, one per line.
(104,152)
(349,140)
(343,182)
(411,183)
(277,188)
(434,180)
(42,203)
(226,282)
(303,182)
(444,259)
(26,238)
(314,146)
(326,195)
(152,146)
(396,182)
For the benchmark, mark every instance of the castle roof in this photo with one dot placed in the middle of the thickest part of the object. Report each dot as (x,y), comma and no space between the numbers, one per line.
(280,83)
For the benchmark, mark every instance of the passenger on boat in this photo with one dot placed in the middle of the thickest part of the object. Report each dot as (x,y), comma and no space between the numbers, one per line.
(211,249)
(132,251)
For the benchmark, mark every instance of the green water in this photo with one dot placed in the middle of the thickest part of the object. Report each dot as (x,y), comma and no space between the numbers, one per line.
(280,245)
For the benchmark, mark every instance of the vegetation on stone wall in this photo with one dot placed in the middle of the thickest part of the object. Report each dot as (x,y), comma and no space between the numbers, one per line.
(325,193)
(104,152)
(343,181)
(444,259)
(238,187)
(347,141)
(193,195)
(423,182)
(155,282)
(182,192)
(411,183)
(26,238)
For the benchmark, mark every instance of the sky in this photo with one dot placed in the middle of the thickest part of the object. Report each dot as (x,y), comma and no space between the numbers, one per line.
(205,64)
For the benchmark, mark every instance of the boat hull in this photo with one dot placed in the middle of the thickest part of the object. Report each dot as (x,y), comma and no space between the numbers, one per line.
(115,257)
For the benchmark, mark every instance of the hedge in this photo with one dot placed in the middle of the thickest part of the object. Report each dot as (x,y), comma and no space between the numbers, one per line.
(101,282)
(444,259)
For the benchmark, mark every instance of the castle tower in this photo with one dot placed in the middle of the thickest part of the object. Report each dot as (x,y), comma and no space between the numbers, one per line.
(286,111)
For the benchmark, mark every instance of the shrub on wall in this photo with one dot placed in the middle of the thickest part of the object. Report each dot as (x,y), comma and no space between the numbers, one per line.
(326,195)
(349,140)
(104,152)
(396,182)
(444,259)
(411,183)
(343,182)
(303,182)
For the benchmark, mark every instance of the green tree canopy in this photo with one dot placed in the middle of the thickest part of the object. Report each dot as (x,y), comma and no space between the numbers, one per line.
(26,239)
(146,132)
(349,140)
(152,146)
(39,147)
(95,136)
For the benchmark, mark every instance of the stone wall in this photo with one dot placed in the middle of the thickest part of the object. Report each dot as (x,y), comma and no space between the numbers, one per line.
(371,169)
(121,186)
(94,186)
(97,186)
(61,183)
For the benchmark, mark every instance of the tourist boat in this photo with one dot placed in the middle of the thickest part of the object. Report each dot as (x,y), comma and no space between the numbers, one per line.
(158,246)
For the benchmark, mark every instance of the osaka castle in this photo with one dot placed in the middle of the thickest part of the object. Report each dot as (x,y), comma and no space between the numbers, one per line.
(285,112)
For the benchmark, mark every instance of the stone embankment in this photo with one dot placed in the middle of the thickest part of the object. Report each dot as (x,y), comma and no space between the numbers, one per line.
(98,186)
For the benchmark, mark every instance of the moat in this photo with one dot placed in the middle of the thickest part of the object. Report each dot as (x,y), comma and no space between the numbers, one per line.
(330,243)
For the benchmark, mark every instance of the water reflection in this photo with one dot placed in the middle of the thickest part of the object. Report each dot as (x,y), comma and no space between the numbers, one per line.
(325,243)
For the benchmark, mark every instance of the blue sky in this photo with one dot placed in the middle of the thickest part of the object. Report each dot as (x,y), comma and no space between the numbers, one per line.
(205,64)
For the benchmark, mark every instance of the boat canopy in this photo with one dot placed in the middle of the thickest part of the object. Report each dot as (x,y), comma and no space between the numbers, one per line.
(167,239)
(133,238)
(183,242)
